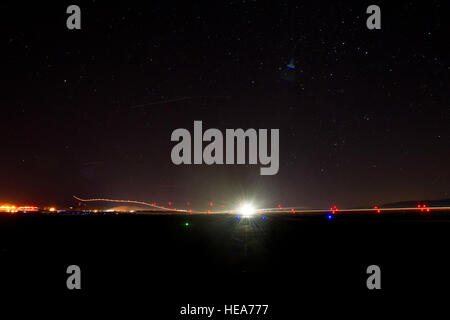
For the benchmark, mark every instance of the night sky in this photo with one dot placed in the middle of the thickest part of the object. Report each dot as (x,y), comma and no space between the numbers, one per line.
(90,112)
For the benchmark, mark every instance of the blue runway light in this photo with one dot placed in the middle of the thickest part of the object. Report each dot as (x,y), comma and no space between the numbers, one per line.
(264,218)
(238,217)
(330,216)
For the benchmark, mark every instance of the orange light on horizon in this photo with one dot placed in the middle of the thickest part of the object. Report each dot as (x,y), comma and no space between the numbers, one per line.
(13,209)
(8,208)
(27,208)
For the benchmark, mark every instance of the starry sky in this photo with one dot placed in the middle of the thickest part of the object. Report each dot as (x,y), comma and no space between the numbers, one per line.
(363,121)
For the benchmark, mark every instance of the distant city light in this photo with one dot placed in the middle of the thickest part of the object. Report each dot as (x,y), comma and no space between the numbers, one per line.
(7,208)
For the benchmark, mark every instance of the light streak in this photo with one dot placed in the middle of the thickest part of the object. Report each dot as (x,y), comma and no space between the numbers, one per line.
(277,210)
(126,201)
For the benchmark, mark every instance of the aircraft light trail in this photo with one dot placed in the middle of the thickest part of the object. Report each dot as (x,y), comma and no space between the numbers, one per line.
(292,210)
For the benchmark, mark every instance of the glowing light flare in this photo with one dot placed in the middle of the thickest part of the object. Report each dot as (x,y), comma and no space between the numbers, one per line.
(247,210)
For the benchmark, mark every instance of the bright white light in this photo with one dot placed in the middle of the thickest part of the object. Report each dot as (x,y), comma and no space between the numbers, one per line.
(247,210)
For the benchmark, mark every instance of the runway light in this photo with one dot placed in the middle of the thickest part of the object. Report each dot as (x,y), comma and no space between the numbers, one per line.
(238,218)
(187,224)
(247,210)
(263,218)
(329,216)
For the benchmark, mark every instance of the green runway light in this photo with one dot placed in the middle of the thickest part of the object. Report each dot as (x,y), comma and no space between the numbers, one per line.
(187,224)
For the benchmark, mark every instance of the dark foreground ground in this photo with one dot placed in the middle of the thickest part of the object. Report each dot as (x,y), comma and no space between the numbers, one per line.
(297,264)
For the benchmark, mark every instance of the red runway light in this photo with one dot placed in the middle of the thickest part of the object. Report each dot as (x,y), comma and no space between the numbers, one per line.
(292,210)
